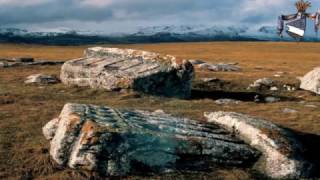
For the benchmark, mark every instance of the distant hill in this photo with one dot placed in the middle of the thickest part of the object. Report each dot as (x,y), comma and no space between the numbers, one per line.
(155,34)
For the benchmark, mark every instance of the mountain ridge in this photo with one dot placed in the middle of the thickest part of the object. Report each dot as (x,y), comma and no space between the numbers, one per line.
(153,34)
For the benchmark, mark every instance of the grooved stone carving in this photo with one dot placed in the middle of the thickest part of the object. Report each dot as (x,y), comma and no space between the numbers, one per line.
(115,69)
(121,142)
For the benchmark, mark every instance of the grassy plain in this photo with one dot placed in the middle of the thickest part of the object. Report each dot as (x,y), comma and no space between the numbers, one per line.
(24,109)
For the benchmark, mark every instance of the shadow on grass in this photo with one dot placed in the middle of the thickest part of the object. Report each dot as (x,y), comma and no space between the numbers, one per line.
(220,89)
(241,95)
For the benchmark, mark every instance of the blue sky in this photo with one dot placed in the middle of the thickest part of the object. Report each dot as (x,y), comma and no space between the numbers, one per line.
(125,15)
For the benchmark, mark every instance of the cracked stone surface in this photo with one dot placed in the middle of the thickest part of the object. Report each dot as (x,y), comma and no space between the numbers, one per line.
(116,69)
(121,142)
(282,153)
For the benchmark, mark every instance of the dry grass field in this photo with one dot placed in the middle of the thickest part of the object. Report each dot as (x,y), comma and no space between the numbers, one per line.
(24,109)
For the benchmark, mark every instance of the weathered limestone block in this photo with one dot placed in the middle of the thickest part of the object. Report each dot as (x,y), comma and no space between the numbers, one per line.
(311,81)
(282,153)
(119,142)
(114,69)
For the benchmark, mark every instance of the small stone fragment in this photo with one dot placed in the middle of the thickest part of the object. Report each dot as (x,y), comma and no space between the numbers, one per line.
(226,101)
(3,64)
(257,98)
(289,87)
(289,111)
(271,99)
(41,79)
(220,67)
(311,106)
(159,111)
(260,83)
(209,80)
(274,88)
(279,74)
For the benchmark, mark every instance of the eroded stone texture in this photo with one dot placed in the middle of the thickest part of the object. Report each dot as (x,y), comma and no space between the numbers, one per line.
(114,69)
(311,81)
(282,153)
(119,142)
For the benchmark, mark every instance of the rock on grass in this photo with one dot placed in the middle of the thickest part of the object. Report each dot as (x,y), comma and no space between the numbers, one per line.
(115,69)
(41,79)
(220,67)
(311,81)
(121,142)
(282,152)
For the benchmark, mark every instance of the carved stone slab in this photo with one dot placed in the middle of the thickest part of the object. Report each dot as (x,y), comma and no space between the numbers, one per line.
(120,142)
(114,69)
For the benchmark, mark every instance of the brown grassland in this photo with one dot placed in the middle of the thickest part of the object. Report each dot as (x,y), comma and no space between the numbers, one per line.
(24,109)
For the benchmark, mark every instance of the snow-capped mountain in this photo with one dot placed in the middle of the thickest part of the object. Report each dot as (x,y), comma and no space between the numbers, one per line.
(13,31)
(154,34)
(201,30)
(25,32)
(183,29)
(268,30)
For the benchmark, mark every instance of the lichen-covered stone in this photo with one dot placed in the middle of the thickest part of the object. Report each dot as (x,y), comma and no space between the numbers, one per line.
(311,81)
(114,69)
(282,153)
(120,142)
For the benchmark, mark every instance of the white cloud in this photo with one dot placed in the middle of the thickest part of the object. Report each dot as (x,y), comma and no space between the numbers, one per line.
(264,5)
(96,3)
